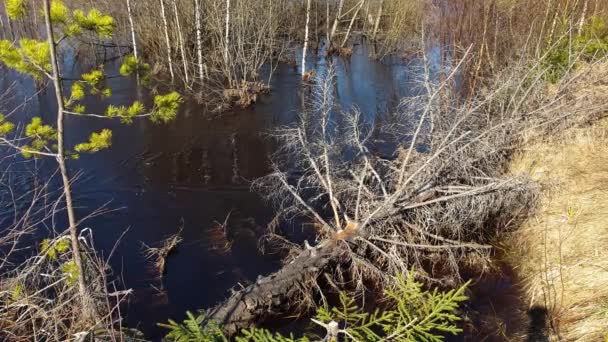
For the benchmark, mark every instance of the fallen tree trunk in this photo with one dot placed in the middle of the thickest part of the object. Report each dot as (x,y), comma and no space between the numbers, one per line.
(274,294)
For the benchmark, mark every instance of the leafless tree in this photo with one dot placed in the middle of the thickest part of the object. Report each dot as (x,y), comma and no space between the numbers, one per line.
(305,48)
(167,39)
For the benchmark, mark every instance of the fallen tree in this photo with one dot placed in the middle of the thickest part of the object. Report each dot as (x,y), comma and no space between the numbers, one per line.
(278,292)
(435,201)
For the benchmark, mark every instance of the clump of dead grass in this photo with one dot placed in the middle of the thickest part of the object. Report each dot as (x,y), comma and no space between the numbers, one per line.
(160,254)
(560,253)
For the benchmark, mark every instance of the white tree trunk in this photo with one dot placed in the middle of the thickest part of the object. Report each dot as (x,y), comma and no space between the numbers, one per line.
(133,41)
(336,20)
(88,308)
(199,39)
(180,38)
(305,38)
(582,22)
(326,24)
(377,23)
(167,39)
(227,33)
(352,21)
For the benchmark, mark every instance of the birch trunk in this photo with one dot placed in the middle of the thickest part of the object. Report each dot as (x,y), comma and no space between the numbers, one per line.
(336,20)
(1,26)
(305,38)
(352,21)
(88,308)
(132,26)
(582,22)
(326,24)
(377,23)
(227,33)
(167,39)
(199,39)
(181,43)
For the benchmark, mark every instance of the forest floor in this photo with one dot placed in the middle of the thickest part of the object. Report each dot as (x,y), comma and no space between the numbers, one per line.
(560,253)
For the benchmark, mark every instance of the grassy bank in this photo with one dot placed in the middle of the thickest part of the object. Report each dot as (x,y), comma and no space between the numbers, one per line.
(560,252)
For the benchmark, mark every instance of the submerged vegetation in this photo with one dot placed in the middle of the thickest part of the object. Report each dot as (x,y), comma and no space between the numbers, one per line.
(405,207)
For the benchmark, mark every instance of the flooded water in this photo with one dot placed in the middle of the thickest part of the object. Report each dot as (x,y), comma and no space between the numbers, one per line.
(191,174)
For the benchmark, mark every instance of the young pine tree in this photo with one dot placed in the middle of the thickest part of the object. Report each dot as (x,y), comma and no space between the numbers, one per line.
(39,59)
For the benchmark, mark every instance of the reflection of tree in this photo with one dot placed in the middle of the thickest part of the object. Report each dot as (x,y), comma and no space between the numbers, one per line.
(200,152)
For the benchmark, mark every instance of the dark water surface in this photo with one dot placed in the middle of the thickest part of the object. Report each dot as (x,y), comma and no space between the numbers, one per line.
(191,174)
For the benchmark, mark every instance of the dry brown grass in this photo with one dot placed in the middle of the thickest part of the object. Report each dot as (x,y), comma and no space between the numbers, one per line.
(560,253)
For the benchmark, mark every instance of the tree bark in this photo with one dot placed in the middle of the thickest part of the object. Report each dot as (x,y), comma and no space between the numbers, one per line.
(199,39)
(377,23)
(336,21)
(352,21)
(327,38)
(227,33)
(305,38)
(275,294)
(182,49)
(88,309)
(132,26)
(167,39)
(583,15)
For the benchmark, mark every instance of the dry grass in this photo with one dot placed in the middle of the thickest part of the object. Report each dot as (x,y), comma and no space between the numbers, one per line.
(560,253)
(159,255)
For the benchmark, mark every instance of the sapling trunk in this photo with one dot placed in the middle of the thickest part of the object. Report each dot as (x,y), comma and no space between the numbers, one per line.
(583,14)
(227,44)
(181,43)
(305,38)
(167,39)
(227,32)
(199,38)
(336,21)
(352,21)
(377,22)
(88,308)
(132,27)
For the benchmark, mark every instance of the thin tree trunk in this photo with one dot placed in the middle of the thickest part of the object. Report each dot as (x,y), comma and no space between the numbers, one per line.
(182,49)
(168,40)
(305,38)
(199,39)
(352,21)
(582,22)
(327,38)
(336,20)
(227,32)
(8,24)
(1,27)
(132,26)
(377,23)
(88,309)
(34,27)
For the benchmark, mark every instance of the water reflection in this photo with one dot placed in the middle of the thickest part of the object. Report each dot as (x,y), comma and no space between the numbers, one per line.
(193,172)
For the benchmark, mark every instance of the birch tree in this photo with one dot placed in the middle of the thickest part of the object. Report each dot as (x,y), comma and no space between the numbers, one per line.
(199,38)
(39,60)
(377,21)
(181,43)
(334,27)
(227,32)
(167,39)
(306,34)
(132,27)
(352,21)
